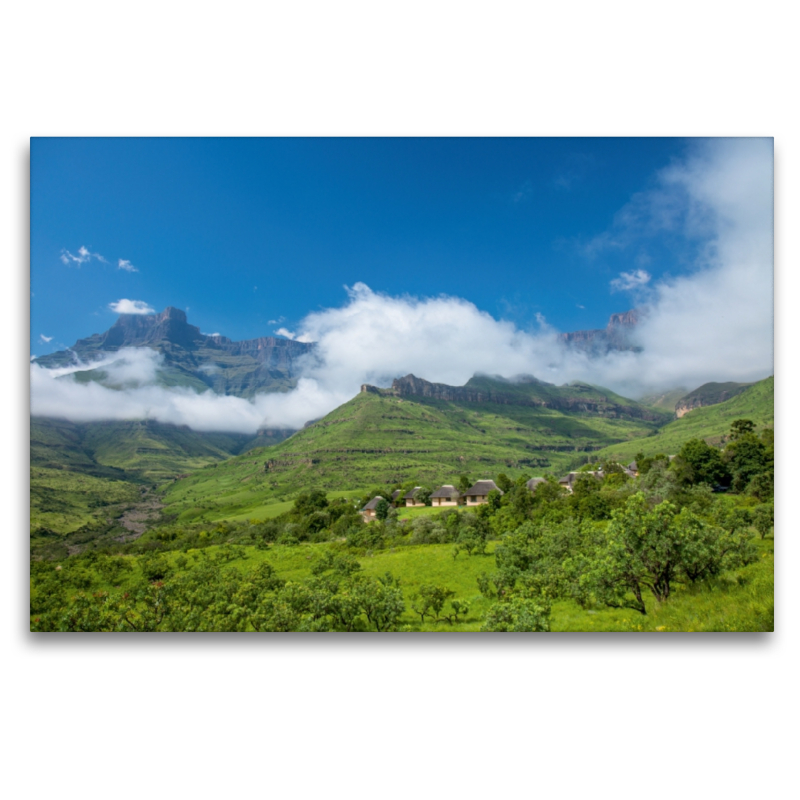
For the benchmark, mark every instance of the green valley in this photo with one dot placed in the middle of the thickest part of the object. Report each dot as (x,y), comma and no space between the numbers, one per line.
(383,437)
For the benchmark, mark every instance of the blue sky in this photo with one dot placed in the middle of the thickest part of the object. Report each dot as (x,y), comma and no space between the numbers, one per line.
(250,235)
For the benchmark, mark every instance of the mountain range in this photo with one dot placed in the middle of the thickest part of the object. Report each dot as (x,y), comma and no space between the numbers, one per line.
(244,369)
(191,358)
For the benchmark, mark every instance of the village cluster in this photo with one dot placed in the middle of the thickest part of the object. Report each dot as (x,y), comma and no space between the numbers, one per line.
(478,493)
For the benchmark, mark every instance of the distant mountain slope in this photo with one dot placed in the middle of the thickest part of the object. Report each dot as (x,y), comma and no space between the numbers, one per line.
(137,450)
(664,400)
(712,423)
(192,358)
(527,391)
(708,394)
(389,435)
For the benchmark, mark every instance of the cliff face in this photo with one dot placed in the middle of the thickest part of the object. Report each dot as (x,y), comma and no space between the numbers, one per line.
(615,336)
(140,330)
(580,398)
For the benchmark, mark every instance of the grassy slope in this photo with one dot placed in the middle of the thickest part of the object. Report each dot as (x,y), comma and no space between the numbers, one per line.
(63,501)
(78,471)
(144,451)
(375,439)
(710,423)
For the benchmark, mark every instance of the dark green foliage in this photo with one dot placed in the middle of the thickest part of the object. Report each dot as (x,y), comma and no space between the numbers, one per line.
(739,427)
(747,457)
(698,462)
(382,509)
(763,518)
(504,483)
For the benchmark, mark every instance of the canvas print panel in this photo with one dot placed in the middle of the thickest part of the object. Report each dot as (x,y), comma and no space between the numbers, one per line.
(387,385)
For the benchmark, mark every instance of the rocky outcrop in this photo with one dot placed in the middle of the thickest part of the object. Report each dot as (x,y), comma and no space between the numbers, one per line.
(615,336)
(709,394)
(577,397)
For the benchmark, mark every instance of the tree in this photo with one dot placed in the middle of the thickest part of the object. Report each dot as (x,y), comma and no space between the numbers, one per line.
(763,518)
(650,549)
(504,483)
(464,483)
(430,600)
(494,500)
(381,602)
(739,427)
(308,502)
(746,457)
(698,462)
(381,509)
(423,495)
(518,615)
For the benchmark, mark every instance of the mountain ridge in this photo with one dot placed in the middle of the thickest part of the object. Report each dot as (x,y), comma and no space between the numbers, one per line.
(192,358)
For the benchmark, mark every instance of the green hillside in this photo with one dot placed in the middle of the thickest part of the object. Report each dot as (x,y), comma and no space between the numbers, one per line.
(664,400)
(143,450)
(63,501)
(382,438)
(710,423)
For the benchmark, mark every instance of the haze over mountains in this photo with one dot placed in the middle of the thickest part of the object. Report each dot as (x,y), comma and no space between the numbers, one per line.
(161,367)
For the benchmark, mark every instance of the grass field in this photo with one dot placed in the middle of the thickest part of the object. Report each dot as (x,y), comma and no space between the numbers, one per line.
(737,601)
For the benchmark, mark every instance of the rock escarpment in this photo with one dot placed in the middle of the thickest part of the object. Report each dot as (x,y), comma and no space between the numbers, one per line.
(527,391)
(617,335)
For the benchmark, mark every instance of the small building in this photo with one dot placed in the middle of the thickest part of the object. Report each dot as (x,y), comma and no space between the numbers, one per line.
(478,494)
(533,483)
(446,495)
(395,494)
(634,468)
(368,512)
(571,478)
(410,497)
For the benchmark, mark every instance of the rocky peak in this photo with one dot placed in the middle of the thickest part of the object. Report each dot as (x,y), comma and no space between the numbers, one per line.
(615,336)
(136,330)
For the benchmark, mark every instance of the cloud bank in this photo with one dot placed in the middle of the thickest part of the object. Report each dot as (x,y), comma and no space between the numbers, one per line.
(713,323)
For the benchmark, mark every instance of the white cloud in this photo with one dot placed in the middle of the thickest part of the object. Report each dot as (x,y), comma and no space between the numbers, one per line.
(55,393)
(125,306)
(126,265)
(628,281)
(84,255)
(45,339)
(714,324)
